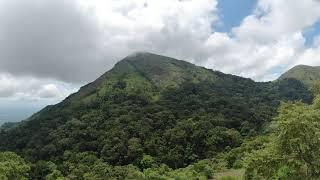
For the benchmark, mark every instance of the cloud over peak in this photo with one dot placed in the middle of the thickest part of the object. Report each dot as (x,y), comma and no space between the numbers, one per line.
(72,42)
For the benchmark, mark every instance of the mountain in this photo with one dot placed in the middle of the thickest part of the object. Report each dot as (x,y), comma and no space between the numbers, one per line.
(147,104)
(308,75)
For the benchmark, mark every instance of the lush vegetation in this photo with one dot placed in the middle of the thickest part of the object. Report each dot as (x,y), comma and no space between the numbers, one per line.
(152,117)
(293,148)
(12,166)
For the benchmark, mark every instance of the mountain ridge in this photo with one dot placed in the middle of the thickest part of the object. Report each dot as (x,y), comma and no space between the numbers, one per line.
(153,66)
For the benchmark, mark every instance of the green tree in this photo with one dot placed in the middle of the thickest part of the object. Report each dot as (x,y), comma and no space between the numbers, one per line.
(13,166)
(294,151)
(315,88)
(147,161)
(56,174)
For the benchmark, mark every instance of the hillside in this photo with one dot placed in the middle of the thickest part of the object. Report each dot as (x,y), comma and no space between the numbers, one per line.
(168,109)
(306,74)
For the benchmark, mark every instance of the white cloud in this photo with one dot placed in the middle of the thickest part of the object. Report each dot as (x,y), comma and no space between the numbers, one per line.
(171,27)
(61,39)
(33,89)
(7,87)
(252,59)
(310,56)
(273,19)
(49,91)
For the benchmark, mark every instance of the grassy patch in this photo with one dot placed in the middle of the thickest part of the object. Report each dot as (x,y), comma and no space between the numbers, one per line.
(230,174)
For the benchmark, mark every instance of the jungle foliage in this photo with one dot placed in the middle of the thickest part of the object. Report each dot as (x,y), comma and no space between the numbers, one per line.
(153,117)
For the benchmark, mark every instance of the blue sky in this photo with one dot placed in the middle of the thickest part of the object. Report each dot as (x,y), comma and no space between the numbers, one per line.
(311,32)
(232,12)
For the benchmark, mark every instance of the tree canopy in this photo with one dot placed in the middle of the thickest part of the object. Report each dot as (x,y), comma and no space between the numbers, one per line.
(155,117)
(293,152)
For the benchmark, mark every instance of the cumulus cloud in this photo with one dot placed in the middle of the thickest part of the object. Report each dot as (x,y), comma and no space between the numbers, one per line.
(49,91)
(7,87)
(33,89)
(275,18)
(75,41)
(55,39)
(170,27)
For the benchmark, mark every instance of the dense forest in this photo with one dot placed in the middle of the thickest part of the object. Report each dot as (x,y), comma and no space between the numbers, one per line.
(154,117)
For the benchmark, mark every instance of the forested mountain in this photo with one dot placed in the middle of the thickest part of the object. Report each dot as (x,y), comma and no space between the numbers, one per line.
(148,108)
(306,74)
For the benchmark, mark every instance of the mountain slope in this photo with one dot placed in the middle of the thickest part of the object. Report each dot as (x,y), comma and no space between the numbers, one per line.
(306,74)
(150,104)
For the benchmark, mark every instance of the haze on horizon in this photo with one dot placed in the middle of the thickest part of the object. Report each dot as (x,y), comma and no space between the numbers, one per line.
(48,49)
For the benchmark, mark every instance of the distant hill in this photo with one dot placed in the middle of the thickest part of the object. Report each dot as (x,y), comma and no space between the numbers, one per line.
(8,125)
(154,105)
(306,74)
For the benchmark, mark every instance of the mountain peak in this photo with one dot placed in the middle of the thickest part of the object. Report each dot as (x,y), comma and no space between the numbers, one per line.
(140,53)
(305,67)
(147,56)
(161,70)
(308,75)
(148,70)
